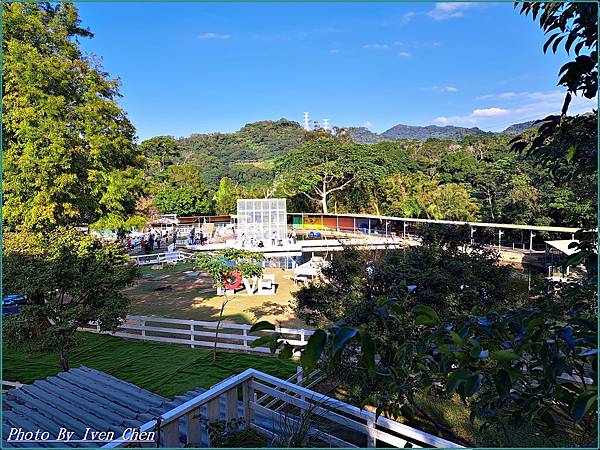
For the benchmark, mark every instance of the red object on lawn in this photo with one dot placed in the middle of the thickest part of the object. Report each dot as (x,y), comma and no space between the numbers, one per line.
(232,280)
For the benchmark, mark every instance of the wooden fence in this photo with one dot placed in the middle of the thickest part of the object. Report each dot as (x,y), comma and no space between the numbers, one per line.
(281,406)
(195,333)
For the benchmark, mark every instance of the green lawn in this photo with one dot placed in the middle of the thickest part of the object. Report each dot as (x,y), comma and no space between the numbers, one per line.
(165,369)
(180,292)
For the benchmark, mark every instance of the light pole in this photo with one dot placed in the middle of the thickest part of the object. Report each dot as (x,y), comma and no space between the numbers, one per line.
(500,233)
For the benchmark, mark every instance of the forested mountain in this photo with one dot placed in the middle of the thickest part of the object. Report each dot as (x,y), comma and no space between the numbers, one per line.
(518,128)
(363,135)
(472,178)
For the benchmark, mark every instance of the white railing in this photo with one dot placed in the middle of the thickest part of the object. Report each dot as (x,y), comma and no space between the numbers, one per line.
(195,333)
(159,258)
(10,385)
(332,421)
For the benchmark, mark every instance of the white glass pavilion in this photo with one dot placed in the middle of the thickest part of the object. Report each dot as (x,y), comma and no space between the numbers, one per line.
(262,219)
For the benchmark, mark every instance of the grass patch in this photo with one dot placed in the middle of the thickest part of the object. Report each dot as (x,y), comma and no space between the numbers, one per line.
(185,294)
(165,369)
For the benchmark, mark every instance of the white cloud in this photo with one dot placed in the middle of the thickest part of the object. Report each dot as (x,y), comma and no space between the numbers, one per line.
(404,54)
(441,89)
(443,11)
(408,16)
(376,46)
(473,118)
(214,36)
(516,107)
(490,112)
(367,124)
(521,96)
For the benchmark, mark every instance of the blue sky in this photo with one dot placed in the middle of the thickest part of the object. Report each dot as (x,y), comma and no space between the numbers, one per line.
(204,67)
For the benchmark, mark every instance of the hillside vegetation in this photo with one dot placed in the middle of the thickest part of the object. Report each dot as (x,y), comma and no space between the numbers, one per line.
(472,178)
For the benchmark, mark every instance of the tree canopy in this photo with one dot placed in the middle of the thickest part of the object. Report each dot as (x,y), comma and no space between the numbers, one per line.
(69,153)
(70,279)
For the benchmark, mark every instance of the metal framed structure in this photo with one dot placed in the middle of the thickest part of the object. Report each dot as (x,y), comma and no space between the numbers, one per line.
(262,219)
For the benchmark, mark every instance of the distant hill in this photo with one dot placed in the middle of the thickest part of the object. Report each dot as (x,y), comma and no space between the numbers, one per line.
(518,128)
(431,131)
(364,136)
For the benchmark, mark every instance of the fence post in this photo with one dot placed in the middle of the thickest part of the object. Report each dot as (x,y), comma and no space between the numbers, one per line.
(245,338)
(302,341)
(371,440)
(98,326)
(143,328)
(247,399)
(231,409)
(299,377)
(170,434)
(192,428)
(192,329)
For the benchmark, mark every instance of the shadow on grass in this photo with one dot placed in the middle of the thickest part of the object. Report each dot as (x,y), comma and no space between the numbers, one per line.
(268,309)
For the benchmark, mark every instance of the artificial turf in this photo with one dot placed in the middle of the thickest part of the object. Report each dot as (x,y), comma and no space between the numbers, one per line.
(165,369)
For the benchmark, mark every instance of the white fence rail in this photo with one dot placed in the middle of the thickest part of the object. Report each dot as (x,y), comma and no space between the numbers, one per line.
(6,385)
(195,333)
(333,421)
(160,258)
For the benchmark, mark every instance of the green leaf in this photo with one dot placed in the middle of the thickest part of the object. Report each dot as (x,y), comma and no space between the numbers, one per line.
(472,384)
(263,341)
(502,382)
(583,403)
(571,153)
(368,351)
(427,311)
(286,352)
(262,325)
(504,355)
(456,338)
(424,320)
(407,412)
(456,378)
(341,338)
(313,350)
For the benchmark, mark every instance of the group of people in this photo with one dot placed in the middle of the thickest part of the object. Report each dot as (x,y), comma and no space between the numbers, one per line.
(274,240)
(200,239)
(152,240)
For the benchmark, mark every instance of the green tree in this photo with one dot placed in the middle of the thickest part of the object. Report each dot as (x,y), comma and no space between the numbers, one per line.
(70,279)
(226,196)
(161,151)
(322,167)
(421,197)
(222,265)
(183,192)
(68,147)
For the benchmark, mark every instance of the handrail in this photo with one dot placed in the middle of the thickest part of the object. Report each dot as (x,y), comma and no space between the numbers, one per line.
(360,413)
(252,379)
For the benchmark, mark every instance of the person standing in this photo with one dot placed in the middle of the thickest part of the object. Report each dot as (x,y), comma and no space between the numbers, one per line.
(293,235)
(273,238)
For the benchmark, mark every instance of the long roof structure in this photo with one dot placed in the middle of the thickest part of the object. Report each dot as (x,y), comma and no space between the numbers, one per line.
(447,222)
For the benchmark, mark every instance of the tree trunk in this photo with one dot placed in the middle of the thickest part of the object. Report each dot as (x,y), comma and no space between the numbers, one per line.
(324,203)
(219,325)
(64,359)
